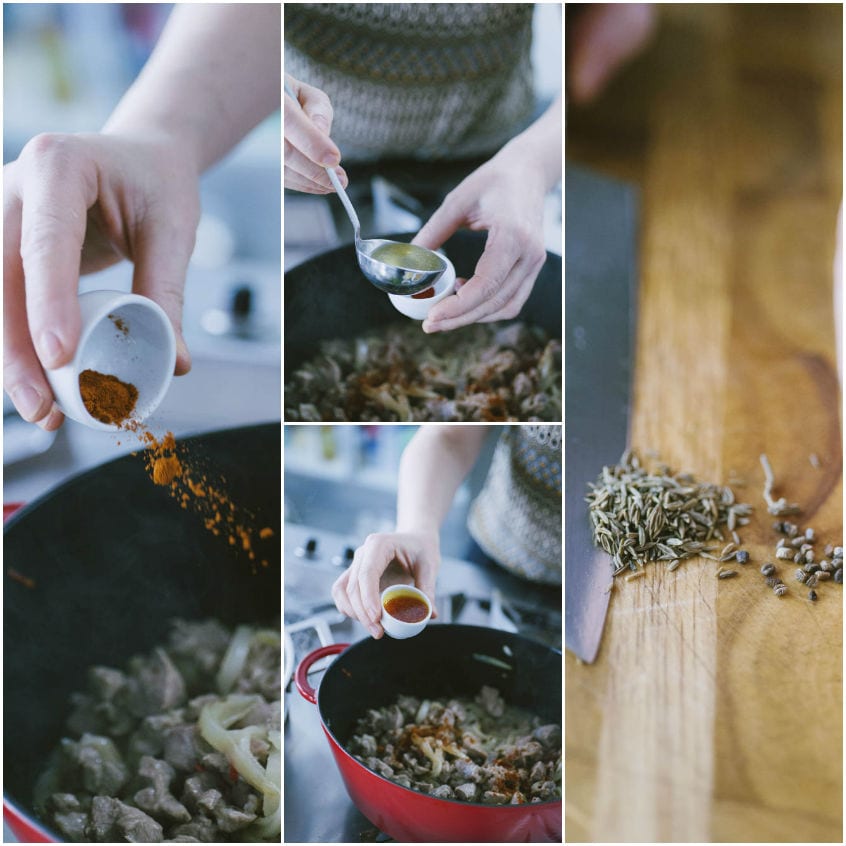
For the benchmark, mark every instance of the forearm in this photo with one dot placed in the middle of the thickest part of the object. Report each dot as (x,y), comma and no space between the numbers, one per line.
(433,465)
(213,76)
(540,144)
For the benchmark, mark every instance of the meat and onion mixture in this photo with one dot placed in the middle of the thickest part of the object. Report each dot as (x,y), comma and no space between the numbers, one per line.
(488,372)
(182,746)
(473,750)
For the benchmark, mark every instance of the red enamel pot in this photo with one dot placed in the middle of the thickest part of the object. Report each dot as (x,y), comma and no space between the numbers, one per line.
(442,661)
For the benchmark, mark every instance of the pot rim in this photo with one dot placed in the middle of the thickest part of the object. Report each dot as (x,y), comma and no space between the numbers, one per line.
(16,816)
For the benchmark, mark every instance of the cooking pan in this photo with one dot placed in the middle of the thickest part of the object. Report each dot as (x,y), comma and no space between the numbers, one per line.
(442,661)
(114,559)
(327,297)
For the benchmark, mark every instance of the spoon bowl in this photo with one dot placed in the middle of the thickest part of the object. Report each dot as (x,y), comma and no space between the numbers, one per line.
(394,278)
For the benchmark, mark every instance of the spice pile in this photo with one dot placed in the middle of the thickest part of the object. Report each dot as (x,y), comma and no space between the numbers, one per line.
(640,516)
(106,398)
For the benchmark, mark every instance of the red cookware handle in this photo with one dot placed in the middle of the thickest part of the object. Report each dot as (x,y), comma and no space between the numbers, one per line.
(301,676)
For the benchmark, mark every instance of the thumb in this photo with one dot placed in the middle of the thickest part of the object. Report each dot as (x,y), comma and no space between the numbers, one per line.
(448,217)
(163,250)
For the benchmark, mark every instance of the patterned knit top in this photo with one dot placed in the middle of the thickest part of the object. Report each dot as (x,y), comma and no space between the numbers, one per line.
(516,519)
(426,80)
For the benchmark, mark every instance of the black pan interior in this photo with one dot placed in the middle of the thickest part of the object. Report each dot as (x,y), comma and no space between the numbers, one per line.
(327,296)
(114,559)
(442,661)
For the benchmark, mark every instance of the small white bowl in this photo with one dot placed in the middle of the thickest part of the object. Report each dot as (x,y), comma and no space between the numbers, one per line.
(123,335)
(397,628)
(418,309)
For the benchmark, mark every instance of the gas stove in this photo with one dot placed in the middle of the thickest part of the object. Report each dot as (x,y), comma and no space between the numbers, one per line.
(317,807)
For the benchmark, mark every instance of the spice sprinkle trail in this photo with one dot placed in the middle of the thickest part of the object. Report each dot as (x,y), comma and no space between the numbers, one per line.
(171,467)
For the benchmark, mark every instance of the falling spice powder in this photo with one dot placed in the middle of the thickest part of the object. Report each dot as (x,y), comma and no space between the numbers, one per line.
(106,397)
(170,466)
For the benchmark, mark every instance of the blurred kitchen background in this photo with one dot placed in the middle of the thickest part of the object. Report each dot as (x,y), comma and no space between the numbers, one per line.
(65,68)
(399,195)
(341,485)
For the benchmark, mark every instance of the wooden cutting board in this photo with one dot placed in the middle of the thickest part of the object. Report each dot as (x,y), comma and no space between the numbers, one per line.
(714,712)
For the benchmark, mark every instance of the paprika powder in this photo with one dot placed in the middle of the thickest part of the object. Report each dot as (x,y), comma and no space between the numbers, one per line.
(107,398)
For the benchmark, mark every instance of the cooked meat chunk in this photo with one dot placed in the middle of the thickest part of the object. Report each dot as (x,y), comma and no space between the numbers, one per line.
(113,821)
(548,735)
(467,792)
(156,685)
(491,701)
(157,798)
(95,762)
(70,815)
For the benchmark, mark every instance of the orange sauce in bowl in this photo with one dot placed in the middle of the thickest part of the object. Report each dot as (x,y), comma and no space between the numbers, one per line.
(406,607)
(424,295)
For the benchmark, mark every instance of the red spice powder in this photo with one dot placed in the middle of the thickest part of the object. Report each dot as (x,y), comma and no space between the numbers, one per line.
(170,465)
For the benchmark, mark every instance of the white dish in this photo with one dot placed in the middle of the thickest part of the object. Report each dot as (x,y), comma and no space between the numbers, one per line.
(418,309)
(123,335)
(397,628)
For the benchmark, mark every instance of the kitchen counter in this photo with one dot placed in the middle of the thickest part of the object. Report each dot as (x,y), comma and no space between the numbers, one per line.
(714,711)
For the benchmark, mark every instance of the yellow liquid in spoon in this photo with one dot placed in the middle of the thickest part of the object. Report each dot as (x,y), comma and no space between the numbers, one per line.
(408,256)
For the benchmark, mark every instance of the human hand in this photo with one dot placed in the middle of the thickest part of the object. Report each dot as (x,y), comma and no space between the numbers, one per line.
(601,38)
(383,560)
(308,148)
(505,197)
(76,204)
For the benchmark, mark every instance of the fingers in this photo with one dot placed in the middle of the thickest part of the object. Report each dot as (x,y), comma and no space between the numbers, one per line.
(317,106)
(161,251)
(23,377)
(302,174)
(604,37)
(500,285)
(307,137)
(356,592)
(57,186)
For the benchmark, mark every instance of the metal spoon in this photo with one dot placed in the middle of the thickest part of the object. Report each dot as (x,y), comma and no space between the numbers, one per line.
(415,270)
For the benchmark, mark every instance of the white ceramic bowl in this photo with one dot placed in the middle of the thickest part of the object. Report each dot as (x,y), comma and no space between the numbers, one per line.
(123,335)
(417,309)
(397,628)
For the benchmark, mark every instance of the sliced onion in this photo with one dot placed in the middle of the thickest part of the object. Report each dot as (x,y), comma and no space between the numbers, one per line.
(234,658)
(215,723)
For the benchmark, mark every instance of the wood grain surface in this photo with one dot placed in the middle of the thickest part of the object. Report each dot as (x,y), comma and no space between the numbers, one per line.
(714,712)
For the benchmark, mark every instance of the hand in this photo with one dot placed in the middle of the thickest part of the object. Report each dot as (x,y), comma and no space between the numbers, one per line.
(505,196)
(383,560)
(308,148)
(602,37)
(78,203)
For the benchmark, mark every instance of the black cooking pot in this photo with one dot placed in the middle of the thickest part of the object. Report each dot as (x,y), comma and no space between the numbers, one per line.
(445,660)
(327,296)
(114,559)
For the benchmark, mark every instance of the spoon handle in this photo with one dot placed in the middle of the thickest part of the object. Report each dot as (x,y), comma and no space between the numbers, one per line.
(336,183)
(342,195)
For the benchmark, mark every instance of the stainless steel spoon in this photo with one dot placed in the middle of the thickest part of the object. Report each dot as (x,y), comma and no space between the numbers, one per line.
(402,269)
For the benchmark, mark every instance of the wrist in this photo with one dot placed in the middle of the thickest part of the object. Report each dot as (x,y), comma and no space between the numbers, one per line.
(538,148)
(423,530)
